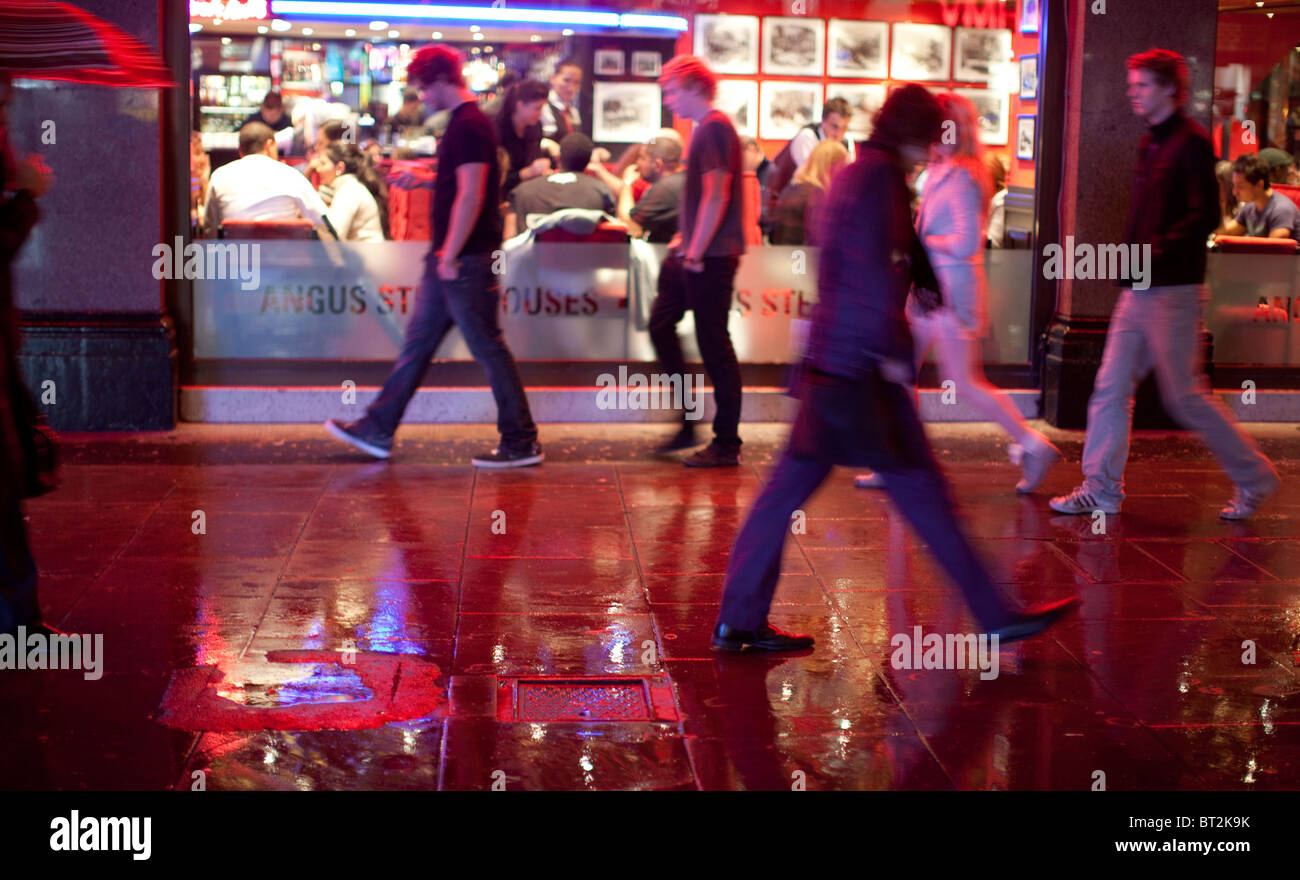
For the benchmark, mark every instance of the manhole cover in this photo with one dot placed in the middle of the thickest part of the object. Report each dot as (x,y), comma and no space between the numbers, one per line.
(585,699)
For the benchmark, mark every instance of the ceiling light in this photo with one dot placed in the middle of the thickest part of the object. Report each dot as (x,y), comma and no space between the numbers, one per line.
(307,32)
(534,38)
(568,32)
(478,36)
(378,25)
(225,41)
(475,28)
(280,25)
(477,14)
(393,34)
(195,28)
(349,33)
(261,29)
(437,35)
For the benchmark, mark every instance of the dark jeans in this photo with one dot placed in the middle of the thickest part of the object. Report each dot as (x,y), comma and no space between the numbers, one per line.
(473,303)
(918,492)
(18,605)
(708,295)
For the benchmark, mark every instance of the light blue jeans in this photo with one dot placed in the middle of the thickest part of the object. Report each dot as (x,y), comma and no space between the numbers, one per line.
(1159,329)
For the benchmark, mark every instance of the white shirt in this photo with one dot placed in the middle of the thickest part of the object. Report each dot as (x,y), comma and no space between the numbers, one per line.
(549,124)
(802,145)
(258,187)
(353,212)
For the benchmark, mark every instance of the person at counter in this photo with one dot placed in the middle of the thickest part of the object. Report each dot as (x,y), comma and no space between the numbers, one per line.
(1264,212)
(271,113)
(257,186)
(359,209)
(568,188)
(459,287)
(794,220)
(654,215)
(757,163)
(520,133)
(561,116)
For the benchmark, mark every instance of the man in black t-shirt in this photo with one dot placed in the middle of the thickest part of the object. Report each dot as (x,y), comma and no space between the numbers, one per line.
(700,271)
(655,213)
(459,285)
(570,187)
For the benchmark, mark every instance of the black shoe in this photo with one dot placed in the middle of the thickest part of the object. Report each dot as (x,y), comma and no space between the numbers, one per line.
(363,436)
(683,439)
(769,638)
(713,455)
(506,457)
(1034,619)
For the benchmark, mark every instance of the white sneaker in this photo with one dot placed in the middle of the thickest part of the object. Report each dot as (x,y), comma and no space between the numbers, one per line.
(869,481)
(1080,501)
(1035,461)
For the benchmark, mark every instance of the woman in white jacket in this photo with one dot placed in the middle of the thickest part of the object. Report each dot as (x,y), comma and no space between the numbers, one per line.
(952,224)
(359,209)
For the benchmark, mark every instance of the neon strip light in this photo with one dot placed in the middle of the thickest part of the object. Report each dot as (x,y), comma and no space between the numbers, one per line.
(368,11)
(230,10)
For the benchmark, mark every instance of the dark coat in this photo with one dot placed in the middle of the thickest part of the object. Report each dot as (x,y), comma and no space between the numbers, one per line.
(18,214)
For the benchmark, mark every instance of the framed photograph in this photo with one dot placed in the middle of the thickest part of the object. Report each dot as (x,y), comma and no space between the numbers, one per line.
(1028,16)
(738,98)
(992,107)
(729,43)
(646,63)
(786,107)
(980,55)
(609,62)
(1025,137)
(920,52)
(865,99)
(794,46)
(1029,77)
(858,49)
(626,113)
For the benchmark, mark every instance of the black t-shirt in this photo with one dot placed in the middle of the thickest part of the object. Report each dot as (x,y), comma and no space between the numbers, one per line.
(565,189)
(715,146)
(523,151)
(659,207)
(470,138)
(279,125)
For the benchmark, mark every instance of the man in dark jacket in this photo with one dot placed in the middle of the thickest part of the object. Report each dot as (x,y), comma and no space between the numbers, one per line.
(1174,208)
(856,407)
(20,186)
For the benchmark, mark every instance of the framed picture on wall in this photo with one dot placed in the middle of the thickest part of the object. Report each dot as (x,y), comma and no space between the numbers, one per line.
(794,46)
(729,43)
(1028,16)
(738,98)
(864,99)
(858,49)
(980,54)
(787,106)
(626,113)
(1025,137)
(609,62)
(991,108)
(1029,77)
(646,63)
(920,52)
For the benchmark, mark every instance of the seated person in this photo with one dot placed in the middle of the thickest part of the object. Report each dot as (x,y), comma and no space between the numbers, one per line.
(1264,213)
(257,186)
(359,209)
(794,219)
(567,188)
(520,134)
(1228,203)
(1281,164)
(654,215)
(756,161)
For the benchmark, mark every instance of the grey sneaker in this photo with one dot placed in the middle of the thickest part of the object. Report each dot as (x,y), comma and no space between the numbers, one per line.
(363,436)
(1035,462)
(1081,501)
(505,457)
(1244,504)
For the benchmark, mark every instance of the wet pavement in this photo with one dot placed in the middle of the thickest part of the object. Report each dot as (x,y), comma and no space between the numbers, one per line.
(278,613)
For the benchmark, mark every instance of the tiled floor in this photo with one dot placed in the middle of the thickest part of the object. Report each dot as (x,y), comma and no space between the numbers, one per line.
(199,554)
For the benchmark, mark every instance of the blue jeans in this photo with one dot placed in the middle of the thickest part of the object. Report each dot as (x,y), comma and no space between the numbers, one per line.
(473,303)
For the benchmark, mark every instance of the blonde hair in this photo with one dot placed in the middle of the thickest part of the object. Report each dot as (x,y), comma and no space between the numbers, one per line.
(826,157)
(969,152)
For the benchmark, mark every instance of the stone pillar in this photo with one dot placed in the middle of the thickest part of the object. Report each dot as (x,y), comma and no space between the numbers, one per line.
(98,346)
(1101,135)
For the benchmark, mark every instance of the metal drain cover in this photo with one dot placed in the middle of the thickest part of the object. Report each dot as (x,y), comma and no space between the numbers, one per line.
(584,699)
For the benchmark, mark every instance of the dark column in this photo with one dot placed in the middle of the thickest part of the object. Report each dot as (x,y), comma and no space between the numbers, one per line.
(98,346)
(1100,140)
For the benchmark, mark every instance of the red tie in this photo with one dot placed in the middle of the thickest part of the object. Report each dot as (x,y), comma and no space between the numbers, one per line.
(568,123)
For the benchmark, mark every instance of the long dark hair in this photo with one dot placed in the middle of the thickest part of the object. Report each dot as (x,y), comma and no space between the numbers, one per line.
(520,93)
(358,164)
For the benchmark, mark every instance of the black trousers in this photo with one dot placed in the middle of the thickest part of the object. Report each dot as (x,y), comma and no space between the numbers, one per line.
(18,604)
(707,294)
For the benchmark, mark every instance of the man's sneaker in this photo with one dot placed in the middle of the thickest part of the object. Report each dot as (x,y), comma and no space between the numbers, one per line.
(1080,501)
(1244,504)
(713,455)
(505,457)
(869,481)
(1034,619)
(1035,461)
(683,439)
(363,436)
